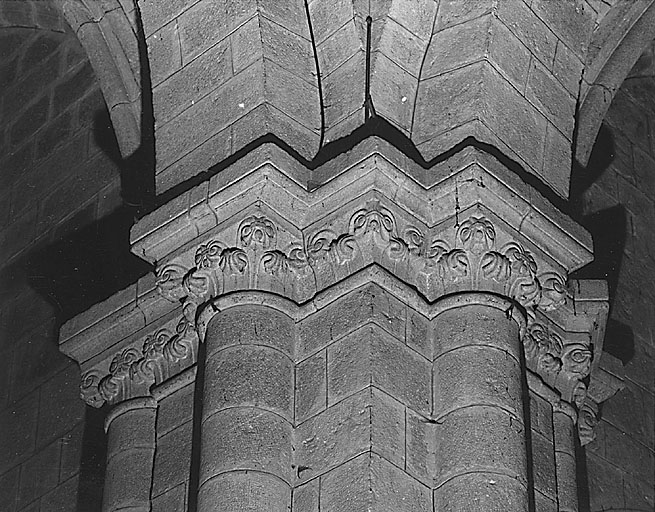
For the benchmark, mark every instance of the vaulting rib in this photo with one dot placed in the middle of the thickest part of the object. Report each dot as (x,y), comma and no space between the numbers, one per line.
(244,73)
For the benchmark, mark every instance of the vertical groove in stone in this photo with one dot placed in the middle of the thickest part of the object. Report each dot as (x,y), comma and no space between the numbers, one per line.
(564,428)
(246,432)
(130,455)
(478,394)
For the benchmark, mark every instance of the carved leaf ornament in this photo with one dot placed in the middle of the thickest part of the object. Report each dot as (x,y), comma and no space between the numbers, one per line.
(471,260)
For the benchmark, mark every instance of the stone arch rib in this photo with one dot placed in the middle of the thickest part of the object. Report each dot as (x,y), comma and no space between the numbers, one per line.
(108,33)
(618,42)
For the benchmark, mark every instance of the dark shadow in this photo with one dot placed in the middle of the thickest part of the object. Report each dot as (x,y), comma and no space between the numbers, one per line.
(86,266)
(92,462)
(198,394)
(584,503)
(374,127)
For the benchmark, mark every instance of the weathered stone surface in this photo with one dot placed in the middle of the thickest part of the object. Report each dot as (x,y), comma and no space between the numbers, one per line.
(249,375)
(172,459)
(370,355)
(311,386)
(245,491)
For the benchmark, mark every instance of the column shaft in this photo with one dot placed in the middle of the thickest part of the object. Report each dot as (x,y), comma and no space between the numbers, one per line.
(246,432)
(478,406)
(130,455)
(565,433)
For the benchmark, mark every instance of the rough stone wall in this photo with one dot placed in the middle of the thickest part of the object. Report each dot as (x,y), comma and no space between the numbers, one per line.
(621,461)
(56,178)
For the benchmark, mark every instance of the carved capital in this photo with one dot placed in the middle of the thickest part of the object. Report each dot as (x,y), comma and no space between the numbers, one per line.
(148,359)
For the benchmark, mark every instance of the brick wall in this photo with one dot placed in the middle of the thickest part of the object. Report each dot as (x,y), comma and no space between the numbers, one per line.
(620,461)
(59,174)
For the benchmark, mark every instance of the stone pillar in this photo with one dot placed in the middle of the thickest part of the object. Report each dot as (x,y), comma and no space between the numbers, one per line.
(565,433)
(478,404)
(130,427)
(247,418)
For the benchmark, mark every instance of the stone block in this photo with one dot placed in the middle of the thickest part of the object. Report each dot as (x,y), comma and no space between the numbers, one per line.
(419,333)
(629,118)
(639,494)
(36,358)
(39,474)
(394,96)
(292,95)
(175,409)
(195,125)
(240,10)
(347,488)
(338,48)
(505,105)
(571,20)
(342,91)
(287,49)
(165,52)
(605,484)
(246,45)
(509,54)
(481,491)
(122,489)
(249,375)
(543,503)
(421,447)
(131,430)
(62,498)
(627,453)
(33,84)
(157,13)
(387,427)
(29,121)
(45,44)
(172,459)
(71,452)
(53,134)
(447,101)
(402,47)
(183,89)
(415,16)
(337,434)
(479,438)
(543,470)
(557,160)
(530,29)
(306,497)
(173,500)
(370,355)
(628,411)
(9,488)
(393,489)
(74,86)
(246,325)
(568,68)
(201,26)
(541,416)
(311,386)
(455,12)
(475,325)
(476,375)
(291,15)
(327,16)
(552,99)
(454,47)
(246,438)
(369,482)
(245,490)
(210,152)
